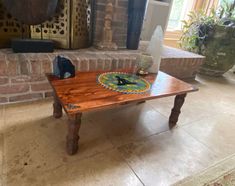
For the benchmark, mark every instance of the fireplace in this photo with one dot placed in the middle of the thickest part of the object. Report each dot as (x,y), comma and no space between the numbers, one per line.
(68,27)
(22,75)
(76,24)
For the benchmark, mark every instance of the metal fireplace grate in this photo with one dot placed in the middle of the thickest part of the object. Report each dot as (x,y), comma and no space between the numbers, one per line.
(10,28)
(69,28)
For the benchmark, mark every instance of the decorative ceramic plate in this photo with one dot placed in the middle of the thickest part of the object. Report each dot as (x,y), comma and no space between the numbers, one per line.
(124,83)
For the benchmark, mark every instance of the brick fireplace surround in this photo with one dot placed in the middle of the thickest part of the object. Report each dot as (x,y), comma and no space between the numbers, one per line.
(22,76)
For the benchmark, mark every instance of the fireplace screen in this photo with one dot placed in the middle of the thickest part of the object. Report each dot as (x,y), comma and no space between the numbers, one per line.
(10,28)
(70,27)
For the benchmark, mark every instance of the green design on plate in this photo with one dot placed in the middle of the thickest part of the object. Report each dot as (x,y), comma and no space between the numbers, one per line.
(132,84)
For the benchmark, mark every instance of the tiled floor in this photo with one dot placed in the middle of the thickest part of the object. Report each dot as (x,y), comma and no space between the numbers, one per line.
(131,145)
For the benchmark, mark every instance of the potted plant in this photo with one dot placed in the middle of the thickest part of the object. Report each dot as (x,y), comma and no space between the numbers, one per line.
(212,36)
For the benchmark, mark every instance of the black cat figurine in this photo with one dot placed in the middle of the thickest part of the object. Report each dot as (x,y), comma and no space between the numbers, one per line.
(63,68)
(122,81)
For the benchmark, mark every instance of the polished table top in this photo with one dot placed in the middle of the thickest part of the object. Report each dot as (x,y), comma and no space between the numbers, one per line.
(83,92)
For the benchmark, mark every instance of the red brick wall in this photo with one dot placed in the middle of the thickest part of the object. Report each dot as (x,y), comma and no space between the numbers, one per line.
(120,19)
(22,76)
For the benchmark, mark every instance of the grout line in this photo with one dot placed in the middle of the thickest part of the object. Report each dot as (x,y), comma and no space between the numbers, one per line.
(157,110)
(221,161)
(192,122)
(1,160)
(205,145)
(133,140)
(91,120)
(186,123)
(215,165)
(131,168)
(139,139)
(3,179)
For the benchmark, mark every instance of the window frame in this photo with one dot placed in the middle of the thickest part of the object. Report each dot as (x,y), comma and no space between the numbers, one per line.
(172,36)
(185,9)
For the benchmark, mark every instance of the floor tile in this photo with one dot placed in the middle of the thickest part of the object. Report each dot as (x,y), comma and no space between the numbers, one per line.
(2,114)
(35,141)
(211,99)
(130,123)
(216,132)
(192,110)
(104,169)
(32,142)
(19,114)
(226,80)
(167,158)
(1,160)
(28,106)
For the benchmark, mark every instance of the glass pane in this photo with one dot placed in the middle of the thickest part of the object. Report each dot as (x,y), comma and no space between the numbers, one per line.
(175,16)
(180,9)
(225,1)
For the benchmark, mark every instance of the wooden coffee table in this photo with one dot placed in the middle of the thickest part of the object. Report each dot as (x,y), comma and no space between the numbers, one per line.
(82,93)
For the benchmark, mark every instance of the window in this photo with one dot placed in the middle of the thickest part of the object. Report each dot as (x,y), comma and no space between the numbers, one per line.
(179,12)
(225,1)
(180,9)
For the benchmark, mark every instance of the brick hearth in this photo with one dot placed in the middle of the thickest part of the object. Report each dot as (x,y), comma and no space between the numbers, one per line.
(22,76)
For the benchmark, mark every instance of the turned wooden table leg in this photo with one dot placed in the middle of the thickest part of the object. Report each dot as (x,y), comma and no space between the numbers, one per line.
(73,130)
(57,112)
(141,102)
(175,112)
